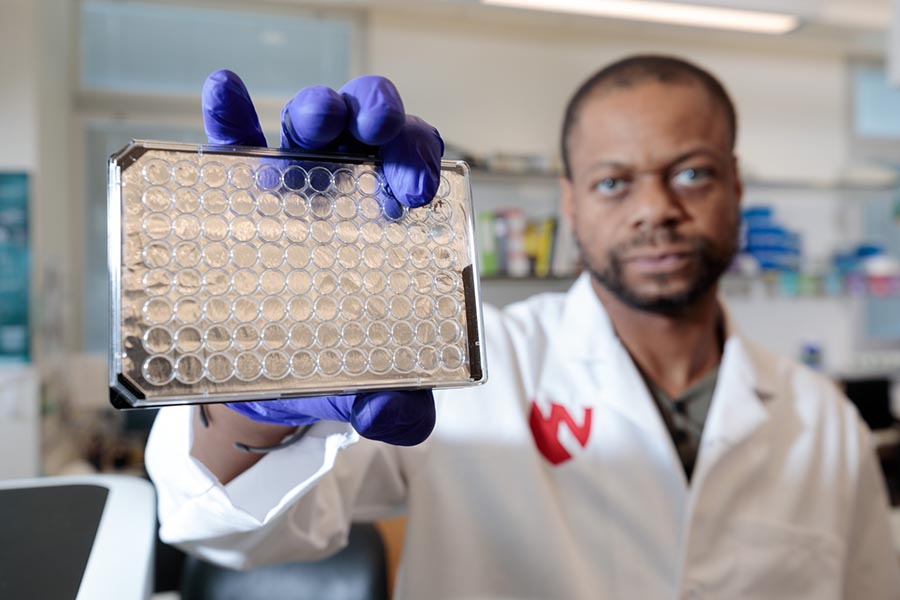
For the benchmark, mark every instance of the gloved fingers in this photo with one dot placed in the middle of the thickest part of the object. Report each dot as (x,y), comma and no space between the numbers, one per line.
(412,163)
(313,118)
(389,204)
(229,116)
(298,411)
(402,418)
(375,110)
(276,412)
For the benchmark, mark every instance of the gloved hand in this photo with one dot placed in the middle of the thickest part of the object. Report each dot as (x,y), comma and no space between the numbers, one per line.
(363,116)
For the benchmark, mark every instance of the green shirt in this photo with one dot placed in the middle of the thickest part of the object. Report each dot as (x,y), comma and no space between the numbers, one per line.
(685,416)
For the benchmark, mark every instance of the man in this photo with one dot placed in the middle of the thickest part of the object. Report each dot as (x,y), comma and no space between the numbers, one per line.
(579,469)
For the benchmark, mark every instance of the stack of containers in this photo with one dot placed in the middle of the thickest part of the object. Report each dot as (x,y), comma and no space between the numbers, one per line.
(773,246)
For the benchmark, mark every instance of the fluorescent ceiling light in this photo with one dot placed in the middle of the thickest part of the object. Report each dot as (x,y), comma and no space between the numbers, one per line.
(665,12)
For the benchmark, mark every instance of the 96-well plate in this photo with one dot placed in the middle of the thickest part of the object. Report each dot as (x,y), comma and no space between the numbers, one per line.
(242,274)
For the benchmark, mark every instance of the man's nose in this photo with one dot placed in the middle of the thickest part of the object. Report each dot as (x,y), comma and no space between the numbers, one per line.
(655,204)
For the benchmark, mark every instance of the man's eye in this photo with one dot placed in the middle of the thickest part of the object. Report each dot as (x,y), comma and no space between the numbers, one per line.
(611,186)
(692,177)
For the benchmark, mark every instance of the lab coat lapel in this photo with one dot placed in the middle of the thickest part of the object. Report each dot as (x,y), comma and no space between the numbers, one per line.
(626,483)
(745,384)
(590,372)
(590,339)
(731,453)
(563,409)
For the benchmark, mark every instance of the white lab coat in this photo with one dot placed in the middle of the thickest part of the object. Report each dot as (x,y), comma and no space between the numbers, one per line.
(786,501)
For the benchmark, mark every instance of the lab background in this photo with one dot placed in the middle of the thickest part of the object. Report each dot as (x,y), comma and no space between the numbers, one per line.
(819,147)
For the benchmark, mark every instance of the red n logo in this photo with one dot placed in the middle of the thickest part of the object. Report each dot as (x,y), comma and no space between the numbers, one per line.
(546,431)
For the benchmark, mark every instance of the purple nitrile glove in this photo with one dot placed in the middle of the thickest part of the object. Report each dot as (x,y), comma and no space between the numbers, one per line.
(403,418)
(367,113)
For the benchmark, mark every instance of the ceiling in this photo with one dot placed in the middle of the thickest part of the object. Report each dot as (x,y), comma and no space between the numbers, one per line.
(851,27)
(864,14)
(857,28)
(871,14)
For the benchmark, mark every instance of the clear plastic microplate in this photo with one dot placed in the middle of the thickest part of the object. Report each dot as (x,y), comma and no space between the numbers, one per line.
(249,274)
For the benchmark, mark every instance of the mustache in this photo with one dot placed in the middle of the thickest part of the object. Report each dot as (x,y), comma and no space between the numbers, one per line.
(659,236)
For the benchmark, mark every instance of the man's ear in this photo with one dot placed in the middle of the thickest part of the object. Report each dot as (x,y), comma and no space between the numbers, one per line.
(567,201)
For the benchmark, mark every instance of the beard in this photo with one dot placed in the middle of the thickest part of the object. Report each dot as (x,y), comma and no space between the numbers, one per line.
(708,262)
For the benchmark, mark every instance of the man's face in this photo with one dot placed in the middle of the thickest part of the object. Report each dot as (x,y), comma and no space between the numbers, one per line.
(654,195)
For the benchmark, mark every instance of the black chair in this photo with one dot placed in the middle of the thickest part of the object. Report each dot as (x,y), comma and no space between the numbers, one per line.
(358,572)
(872,397)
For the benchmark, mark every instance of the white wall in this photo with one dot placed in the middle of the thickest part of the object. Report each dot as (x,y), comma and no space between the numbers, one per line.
(56,191)
(19,99)
(35,108)
(18,85)
(494,87)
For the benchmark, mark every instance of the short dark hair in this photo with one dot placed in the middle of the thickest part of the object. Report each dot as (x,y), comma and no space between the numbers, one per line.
(637,69)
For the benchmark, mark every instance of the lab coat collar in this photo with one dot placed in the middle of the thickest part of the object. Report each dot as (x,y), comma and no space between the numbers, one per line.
(745,389)
(587,333)
(746,380)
